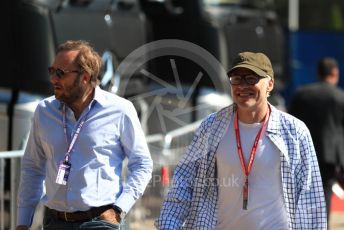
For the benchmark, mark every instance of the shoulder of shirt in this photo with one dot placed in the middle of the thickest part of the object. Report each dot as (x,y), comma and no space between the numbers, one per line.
(107,99)
(49,101)
(223,115)
(316,87)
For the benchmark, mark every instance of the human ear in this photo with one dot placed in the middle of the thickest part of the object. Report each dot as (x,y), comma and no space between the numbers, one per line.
(270,86)
(85,77)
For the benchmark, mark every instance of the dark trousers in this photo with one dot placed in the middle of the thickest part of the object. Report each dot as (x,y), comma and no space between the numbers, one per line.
(328,175)
(328,196)
(51,223)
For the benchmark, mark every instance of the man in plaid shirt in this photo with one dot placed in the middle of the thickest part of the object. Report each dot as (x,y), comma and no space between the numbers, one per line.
(249,166)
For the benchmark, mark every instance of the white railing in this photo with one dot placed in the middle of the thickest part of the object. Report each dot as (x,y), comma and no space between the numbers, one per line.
(9,159)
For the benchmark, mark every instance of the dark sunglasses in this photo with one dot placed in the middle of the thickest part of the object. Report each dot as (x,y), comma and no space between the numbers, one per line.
(59,72)
(250,79)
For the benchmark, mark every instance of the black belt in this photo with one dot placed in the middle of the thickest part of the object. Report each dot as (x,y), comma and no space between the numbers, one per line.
(79,215)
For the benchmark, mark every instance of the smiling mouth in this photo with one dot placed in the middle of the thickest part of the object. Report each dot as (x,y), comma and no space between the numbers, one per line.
(244,94)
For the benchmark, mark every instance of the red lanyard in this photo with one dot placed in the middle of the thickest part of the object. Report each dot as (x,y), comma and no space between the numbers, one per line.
(253,152)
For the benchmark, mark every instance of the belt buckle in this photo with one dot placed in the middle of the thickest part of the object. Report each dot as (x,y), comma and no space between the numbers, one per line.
(65,216)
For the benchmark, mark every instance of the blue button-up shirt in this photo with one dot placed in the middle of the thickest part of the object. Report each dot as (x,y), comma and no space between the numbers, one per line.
(111,132)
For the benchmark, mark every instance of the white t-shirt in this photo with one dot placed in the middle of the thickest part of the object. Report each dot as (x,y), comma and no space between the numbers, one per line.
(265,208)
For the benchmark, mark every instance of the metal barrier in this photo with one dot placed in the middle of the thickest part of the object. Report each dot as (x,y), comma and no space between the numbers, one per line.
(9,198)
(176,141)
(166,151)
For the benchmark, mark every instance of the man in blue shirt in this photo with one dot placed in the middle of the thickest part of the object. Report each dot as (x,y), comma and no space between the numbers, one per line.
(78,141)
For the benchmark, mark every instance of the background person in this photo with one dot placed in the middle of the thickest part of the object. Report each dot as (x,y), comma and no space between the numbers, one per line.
(321,106)
(78,141)
(270,152)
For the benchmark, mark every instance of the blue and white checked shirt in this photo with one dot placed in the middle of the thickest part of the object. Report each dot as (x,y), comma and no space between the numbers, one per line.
(192,200)
(111,132)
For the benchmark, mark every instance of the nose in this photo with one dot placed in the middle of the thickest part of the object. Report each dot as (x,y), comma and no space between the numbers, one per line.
(243,84)
(53,78)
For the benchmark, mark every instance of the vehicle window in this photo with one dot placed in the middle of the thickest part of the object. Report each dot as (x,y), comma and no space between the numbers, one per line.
(319,14)
(315,14)
(218,2)
(244,3)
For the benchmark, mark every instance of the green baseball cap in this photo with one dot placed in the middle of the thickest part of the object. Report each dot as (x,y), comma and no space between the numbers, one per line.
(257,62)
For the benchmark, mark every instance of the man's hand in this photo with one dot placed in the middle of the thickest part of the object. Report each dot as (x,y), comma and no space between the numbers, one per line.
(22,227)
(111,216)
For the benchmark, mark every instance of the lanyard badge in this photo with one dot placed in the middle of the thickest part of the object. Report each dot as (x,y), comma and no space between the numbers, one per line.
(253,153)
(63,173)
(65,165)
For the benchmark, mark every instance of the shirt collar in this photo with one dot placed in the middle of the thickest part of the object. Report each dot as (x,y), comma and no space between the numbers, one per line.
(273,124)
(99,96)
(274,120)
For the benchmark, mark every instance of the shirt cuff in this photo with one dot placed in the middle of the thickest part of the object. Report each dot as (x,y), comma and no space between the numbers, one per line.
(125,201)
(25,216)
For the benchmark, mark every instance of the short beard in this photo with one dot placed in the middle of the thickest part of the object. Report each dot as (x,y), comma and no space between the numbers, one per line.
(75,92)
